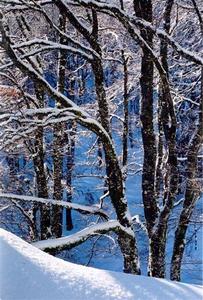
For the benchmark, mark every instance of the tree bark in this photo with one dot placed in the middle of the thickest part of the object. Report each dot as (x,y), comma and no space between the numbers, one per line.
(125,106)
(143,9)
(191,195)
(57,212)
(38,160)
(70,165)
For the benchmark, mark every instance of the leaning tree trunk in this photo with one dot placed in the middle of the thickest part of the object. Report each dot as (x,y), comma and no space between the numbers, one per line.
(126,238)
(115,178)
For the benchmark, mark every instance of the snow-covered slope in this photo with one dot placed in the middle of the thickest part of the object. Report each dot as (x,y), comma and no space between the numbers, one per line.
(27,273)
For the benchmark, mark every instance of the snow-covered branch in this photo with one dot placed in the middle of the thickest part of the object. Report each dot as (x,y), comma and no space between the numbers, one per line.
(78,238)
(140,23)
(47,45)
(80,208)
(82,117)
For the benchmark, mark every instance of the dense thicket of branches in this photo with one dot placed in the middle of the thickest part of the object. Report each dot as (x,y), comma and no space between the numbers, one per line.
(123,79)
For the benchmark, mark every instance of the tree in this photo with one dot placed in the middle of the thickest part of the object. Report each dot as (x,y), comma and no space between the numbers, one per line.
(77,30)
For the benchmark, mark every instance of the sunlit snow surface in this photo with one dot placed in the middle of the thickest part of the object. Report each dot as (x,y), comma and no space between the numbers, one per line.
(27,273)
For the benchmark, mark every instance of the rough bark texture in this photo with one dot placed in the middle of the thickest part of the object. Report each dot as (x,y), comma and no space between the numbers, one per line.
(143,9)
(70,166)
(56,220)
(58,139)
(38,160)
(125,106)
(162,104)
(160,154)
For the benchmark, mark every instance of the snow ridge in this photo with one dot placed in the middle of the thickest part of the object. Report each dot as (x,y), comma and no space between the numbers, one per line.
(27,273)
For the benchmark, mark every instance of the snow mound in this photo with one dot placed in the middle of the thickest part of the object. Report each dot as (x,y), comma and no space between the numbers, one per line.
(27,273)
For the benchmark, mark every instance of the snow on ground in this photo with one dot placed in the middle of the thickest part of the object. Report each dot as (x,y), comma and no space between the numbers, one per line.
(27,273)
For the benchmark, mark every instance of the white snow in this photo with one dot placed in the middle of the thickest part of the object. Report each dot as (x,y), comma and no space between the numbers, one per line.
(27,273)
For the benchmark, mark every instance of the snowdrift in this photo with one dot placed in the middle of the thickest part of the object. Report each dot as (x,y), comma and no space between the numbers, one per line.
(27,273)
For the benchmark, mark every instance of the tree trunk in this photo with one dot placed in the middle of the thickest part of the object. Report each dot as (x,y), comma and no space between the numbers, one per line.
(57,211)
(38,160)
(192,187)
(167,126)
(156,222)
(191,195)
(143,9)
(115,180)
(125,105)
(70,165)
(115,177)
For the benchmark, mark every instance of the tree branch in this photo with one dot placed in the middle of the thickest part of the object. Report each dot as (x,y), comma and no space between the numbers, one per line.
(80,208)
